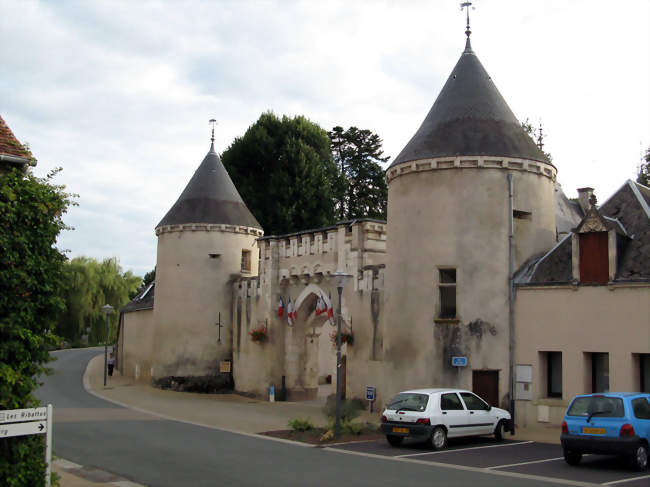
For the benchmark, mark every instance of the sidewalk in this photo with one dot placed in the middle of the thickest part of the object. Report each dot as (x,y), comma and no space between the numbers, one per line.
(230,412)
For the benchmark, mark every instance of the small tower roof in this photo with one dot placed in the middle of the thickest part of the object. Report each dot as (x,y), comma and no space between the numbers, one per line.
(9,144)
(210,197)
(470,118)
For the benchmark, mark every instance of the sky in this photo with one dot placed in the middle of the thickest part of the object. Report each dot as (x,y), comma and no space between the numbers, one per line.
(119,93)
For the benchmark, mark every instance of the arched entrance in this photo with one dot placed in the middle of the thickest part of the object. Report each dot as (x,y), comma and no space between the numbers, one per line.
(311,356)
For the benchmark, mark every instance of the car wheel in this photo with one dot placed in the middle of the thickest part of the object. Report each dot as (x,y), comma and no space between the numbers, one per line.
(394,440)
(572,457)
(640,457)
(438,438)
(499,431)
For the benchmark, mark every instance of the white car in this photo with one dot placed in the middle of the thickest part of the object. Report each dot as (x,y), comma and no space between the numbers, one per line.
(433,415)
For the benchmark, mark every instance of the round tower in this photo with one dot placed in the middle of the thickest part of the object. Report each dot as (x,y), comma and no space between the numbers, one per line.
(447,273)
(206,238)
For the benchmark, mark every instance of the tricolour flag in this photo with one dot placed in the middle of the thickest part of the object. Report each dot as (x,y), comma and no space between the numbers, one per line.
(330,312)
(290,312)
(321,307)
(281,307)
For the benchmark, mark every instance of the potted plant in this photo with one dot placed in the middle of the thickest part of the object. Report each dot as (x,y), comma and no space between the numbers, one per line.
(259,334)
(346,337)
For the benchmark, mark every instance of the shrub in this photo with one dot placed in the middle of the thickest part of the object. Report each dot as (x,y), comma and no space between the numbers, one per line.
(205,384)
(300,424)
(350,428)
(350,408)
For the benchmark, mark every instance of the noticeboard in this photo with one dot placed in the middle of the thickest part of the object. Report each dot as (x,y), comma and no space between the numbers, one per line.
(224,366)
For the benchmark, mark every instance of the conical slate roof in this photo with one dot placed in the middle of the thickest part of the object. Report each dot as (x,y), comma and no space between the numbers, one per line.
(470,118)
(210,197)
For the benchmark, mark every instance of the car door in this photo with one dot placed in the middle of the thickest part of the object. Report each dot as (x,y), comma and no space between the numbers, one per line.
(454,415)
(482,422)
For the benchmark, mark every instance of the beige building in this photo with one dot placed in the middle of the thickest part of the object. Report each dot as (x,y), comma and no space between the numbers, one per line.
(471,199)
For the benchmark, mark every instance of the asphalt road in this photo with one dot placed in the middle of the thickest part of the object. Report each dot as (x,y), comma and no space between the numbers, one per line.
(156,452)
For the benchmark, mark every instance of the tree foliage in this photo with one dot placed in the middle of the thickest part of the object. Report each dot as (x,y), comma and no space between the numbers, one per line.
(643,176)
(358,155)
(283,170)
(537,135)
(90,284)
(31,279)
(148,278)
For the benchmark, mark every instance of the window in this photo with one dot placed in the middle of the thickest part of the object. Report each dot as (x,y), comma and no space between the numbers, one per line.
(594,258)
(644,363)
(641,408)
(474,403)
(245,260)
(522,215)
(607,407)
(447,288)
(553,373)
(599,372)
(450,402)
(407,401)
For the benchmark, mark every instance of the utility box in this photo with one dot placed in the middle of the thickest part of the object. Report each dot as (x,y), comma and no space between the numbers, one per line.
(524,382)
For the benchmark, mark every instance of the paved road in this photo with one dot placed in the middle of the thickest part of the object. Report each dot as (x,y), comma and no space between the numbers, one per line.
(157,452)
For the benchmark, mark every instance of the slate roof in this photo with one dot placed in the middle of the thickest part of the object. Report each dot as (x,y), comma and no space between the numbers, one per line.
(470,118)
(210,197)
(9,144)
(143,300)
(628,212)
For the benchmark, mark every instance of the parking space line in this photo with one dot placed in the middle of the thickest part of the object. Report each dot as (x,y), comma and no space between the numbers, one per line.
(525,463)
(626,480)
(460,449)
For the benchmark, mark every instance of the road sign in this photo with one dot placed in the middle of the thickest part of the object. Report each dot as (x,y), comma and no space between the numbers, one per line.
(22,429)
(34,421)
(459,361)
(22,415)
(370,393)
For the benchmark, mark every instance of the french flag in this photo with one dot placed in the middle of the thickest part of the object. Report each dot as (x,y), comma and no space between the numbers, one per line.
(321,307)
(330,311)
(290,313)
(281,307)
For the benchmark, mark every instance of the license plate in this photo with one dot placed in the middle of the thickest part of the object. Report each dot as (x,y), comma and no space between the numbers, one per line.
(400,430)
(593,431)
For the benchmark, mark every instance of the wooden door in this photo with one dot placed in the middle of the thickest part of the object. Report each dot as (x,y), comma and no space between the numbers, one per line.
(485,383)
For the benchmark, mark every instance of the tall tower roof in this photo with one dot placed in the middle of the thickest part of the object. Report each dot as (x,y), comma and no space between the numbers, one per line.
(210,197)
(470,118)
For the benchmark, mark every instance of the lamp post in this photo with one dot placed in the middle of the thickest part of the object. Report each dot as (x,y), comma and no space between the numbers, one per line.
(106,309)
(341,278)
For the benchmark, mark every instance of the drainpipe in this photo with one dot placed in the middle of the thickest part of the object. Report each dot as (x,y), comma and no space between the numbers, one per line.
(511,302)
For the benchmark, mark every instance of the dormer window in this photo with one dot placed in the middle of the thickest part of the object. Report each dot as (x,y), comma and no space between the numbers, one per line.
(594,258)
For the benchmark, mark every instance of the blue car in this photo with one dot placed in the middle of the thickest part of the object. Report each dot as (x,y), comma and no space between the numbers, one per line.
(612,423)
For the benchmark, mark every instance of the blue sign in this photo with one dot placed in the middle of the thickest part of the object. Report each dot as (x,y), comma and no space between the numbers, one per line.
(459,361)
(370,393)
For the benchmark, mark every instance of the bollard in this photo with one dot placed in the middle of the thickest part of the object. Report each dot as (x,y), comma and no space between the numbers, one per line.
(272,394)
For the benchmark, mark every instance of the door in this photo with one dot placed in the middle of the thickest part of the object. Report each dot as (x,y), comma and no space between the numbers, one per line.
(482,422)
(454,415)
(485,384)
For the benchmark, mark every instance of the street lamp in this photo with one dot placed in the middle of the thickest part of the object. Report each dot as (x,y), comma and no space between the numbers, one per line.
(341,278)
(107,309)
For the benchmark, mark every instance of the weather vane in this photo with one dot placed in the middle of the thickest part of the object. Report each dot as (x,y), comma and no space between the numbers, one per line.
(466,6)
(213,122)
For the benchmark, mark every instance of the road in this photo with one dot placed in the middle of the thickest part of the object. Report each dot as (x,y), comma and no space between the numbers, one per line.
(157,452)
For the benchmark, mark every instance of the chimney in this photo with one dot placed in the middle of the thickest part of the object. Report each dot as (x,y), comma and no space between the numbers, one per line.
(584,194)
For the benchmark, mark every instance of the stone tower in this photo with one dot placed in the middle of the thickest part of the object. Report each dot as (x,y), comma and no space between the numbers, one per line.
(208,237)
(447,273)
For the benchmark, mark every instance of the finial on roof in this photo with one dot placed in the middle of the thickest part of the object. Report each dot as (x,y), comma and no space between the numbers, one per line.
(540,137)
(213,122)
(593,200)
(466,6)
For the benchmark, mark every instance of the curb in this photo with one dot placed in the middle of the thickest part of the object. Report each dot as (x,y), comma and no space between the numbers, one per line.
(93,474)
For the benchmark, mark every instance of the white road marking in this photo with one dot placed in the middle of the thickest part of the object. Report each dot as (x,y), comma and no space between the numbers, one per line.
(516,475)
(525,463)
(627,480)
(460,449)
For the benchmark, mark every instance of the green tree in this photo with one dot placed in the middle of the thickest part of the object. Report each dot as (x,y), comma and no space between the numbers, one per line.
(283,170)
(148,278)
(358,155)
(90,284)
(643,176)
(31,279)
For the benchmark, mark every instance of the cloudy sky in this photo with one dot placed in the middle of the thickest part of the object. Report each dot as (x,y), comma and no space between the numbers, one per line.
(120,93)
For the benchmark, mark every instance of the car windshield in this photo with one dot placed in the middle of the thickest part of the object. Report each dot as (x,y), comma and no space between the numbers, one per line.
(602,406)
(407,401)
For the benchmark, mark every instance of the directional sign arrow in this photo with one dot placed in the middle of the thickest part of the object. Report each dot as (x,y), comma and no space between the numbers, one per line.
(22,429)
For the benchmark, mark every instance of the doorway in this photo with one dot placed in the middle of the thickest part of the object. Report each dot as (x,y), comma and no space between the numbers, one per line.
(485,383)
